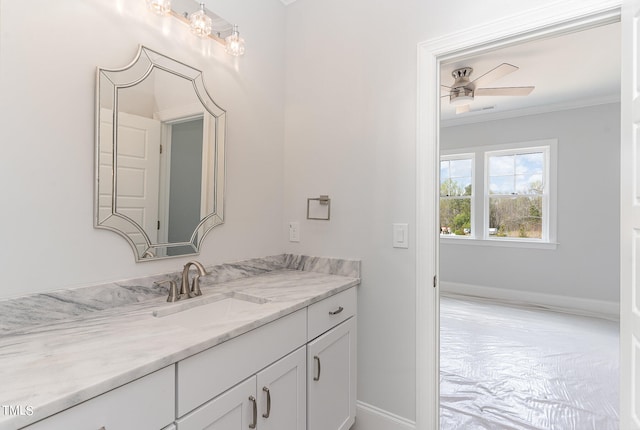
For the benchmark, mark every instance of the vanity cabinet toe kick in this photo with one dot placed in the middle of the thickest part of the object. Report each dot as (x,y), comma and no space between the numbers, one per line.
(295,373)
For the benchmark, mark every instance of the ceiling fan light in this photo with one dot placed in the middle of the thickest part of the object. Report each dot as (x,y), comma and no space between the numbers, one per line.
(460,100)
(460,96)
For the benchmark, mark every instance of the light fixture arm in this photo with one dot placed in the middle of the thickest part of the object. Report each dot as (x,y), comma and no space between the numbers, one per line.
(201,24)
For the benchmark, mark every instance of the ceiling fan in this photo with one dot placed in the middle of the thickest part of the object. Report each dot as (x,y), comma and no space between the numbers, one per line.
(463,91)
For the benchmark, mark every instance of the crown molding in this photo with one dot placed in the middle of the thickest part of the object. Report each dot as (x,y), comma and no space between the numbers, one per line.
(535,110)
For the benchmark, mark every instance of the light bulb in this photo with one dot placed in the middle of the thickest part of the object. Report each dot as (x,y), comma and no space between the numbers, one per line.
(234,44)
(200,22)
(161,7)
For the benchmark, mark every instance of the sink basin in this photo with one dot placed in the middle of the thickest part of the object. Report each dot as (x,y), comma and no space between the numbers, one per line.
(226,310)
(207,306)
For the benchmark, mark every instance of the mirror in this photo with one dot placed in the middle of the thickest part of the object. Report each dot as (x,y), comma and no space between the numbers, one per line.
(159,156)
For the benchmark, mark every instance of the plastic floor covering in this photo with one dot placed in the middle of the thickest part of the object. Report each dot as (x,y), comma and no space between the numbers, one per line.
(507,367)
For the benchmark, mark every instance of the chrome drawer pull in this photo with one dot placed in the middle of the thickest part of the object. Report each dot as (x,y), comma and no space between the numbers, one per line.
(266,390)
(255,412)
(337,311)
(317,359)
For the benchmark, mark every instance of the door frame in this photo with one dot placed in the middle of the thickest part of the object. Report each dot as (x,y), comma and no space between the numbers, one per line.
(544,21)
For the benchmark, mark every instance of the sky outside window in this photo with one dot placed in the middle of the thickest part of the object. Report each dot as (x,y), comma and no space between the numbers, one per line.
(516,174)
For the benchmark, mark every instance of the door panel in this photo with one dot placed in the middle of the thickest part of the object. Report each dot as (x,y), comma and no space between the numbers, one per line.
(139,171)
(630,219)
(331,380)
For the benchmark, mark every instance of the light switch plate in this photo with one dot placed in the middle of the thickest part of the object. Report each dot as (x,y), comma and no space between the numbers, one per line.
(294,231)
(401,235)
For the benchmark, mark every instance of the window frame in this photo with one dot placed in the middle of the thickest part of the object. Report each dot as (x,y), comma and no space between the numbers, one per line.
(461,156)
(480,194)
(545,149)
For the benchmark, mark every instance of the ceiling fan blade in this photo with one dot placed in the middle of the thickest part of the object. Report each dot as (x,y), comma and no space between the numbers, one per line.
(493,74)
(505,91)
(462,109)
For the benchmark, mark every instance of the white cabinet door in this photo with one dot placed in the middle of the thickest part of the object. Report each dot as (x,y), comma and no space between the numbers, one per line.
(147,403)
(235,409)
(279,404)
(331,381)
(282,397)
(208,374)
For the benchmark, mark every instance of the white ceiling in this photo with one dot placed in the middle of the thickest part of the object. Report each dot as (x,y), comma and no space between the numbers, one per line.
(572,70)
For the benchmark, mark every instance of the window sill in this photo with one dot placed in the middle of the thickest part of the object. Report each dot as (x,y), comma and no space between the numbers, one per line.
(506,243)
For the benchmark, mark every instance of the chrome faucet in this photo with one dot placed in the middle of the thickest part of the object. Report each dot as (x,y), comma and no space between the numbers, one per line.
(185,292)
(173,290)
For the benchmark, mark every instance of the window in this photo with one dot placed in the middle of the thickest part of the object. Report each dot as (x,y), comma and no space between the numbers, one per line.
(499,194)
(516,193)
(456,192)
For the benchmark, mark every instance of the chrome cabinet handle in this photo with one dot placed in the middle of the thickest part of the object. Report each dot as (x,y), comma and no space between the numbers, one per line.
(255,412)
(337,311)
(266,390)
(317,359)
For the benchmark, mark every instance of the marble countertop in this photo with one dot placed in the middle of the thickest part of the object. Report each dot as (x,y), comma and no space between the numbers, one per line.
(60,349)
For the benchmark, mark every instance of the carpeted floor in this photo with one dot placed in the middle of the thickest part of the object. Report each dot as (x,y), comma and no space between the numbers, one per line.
(507,367)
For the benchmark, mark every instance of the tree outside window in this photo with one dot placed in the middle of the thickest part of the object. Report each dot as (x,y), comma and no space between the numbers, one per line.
(456,190)
(517,190)
(504,194)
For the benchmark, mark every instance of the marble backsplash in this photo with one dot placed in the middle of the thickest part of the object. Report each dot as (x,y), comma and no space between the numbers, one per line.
(21,313)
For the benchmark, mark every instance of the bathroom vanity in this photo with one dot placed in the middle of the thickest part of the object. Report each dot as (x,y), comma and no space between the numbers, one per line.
(271,344)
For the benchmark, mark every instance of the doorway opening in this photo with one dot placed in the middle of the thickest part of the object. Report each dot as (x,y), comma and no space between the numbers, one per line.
(504,160)
(433,55)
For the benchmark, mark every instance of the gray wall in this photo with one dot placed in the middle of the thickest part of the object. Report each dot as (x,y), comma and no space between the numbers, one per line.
(586,261)
(186,180)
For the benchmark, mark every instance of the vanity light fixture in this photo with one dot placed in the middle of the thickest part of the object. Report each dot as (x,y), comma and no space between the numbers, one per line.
(234,44)
(161,7)
(200,23)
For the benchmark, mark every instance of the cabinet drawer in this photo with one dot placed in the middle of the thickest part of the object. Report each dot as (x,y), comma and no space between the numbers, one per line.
(144,404)
(206,375)
(331,312)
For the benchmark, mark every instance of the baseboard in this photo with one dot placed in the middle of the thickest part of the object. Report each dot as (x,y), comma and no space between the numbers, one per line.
(575,305)
(371,418)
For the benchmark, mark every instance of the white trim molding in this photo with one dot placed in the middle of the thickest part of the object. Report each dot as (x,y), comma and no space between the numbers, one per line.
(534,110)
(551,302)
(369,417)
(555,18)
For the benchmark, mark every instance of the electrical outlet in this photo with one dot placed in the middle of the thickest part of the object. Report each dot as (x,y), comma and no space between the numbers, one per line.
(294,231)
